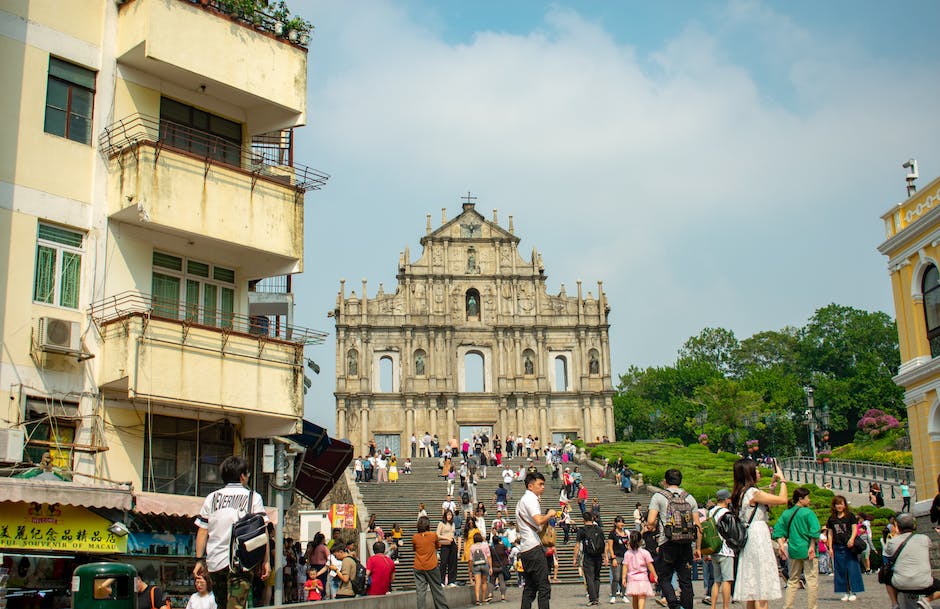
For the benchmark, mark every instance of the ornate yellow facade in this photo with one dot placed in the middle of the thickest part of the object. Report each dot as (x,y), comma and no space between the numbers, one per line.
(470,340)
(912,246)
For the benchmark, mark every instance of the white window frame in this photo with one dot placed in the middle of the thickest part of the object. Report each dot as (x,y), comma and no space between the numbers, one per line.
(184,277)
(60,248)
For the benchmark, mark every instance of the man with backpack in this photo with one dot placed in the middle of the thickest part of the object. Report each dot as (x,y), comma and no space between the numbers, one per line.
(590,544)
(796,532)
(221,510)
(722,556)
(673,514)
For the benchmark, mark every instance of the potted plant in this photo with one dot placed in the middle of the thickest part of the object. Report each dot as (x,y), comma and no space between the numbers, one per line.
(823,456)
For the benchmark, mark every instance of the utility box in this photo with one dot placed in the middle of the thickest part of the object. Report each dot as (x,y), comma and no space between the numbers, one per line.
(104,585)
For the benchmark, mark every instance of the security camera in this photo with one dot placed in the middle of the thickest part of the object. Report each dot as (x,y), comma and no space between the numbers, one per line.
(119,529)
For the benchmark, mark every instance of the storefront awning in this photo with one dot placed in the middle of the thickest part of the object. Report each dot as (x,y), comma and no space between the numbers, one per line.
(65,493)
(313,438)
(320,469)
(184,506)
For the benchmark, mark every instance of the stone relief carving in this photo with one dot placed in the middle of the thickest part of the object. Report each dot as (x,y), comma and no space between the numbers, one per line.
(419,302)
(438,298)
(526,299)
(505,256)
(437,256)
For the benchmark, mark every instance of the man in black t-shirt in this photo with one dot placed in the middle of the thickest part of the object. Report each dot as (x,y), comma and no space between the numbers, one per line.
(591,547)
(149,597)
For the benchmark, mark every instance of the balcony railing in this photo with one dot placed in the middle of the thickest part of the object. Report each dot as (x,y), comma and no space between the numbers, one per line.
(279,284)
(251,14)
(127,304)
(258,162)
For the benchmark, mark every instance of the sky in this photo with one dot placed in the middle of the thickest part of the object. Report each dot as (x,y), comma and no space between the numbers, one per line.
(715,164)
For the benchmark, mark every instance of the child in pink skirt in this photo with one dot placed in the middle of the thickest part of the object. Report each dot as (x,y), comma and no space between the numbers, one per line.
(638,572)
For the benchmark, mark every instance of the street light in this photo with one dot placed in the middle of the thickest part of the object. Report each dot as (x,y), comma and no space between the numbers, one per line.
(628,432)
(811,420)
(702,418)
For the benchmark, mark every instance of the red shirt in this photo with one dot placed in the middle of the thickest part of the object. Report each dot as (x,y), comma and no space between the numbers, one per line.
(582,493)
(381,568)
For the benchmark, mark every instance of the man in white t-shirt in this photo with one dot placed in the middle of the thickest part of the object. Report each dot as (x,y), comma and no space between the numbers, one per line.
(222,509)
(529,519)
(508,477)
(449,504)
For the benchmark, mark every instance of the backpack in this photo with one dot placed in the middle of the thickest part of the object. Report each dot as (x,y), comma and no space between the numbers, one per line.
(359,582)
(678,524)
(465,497)
(478,557)
(249,541)
(711,540)
(593,542)
(733,530)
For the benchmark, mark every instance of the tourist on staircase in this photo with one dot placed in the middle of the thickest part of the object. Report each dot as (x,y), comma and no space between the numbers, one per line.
(427,576)
(535,567)
(590,548)
(446,535)
(617,543)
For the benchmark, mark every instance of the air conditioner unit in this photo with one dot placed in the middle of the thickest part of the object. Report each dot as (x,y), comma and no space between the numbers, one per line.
(12,442)
(60,335)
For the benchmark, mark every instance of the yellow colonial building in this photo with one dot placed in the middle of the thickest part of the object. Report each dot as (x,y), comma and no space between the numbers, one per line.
(912,246)
(151,216)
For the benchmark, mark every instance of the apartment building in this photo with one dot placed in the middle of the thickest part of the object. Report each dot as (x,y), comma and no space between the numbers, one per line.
(151,217)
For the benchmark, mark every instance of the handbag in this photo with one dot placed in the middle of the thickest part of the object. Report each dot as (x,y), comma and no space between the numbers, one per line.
(886,571)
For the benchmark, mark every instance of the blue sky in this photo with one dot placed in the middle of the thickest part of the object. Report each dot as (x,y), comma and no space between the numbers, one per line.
(714,163)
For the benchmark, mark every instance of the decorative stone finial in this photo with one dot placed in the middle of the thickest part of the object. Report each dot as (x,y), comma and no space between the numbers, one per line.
(510,223)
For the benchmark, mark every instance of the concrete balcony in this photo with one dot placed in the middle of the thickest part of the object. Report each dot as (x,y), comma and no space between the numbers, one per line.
(153,351)
(243,204)
(179,41)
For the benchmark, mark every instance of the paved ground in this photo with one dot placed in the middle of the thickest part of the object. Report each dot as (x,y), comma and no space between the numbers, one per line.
(565,596)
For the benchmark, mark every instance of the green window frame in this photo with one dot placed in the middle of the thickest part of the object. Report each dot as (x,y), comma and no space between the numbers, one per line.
(57,279)
(70,101)
(199,292)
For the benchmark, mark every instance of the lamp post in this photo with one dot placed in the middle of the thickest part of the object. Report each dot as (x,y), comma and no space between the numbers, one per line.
(811,420)
(702,418)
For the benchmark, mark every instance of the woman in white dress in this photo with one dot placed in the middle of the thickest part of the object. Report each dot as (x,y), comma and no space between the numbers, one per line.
(757,580)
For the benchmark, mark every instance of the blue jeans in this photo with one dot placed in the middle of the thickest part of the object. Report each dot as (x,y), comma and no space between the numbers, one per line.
(847,573)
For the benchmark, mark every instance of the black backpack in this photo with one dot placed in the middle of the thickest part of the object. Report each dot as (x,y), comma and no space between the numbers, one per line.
(249,542)
(734,530)
(678,524)
(359,581)
(593,542)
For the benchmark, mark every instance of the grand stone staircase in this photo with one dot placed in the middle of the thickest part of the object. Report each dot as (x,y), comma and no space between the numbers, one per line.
(397,502)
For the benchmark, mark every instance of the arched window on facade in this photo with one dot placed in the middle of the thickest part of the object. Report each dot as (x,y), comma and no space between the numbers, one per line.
(473,371)
(386,370)
(473,304)
(352,362)
(561,373)
(931,291)
(528,362)
(421,362)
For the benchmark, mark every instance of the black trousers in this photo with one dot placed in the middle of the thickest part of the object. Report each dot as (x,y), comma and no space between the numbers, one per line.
(675,558)
(535,574)
(449,563)
(591,566)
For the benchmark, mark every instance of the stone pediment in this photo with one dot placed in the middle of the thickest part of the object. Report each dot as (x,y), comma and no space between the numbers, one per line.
(469,225)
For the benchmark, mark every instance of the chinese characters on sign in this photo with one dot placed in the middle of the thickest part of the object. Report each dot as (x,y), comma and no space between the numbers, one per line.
(41,526)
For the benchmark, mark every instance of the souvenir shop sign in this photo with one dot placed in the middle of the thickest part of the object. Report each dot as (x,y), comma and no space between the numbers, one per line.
(64,528)
(343,516)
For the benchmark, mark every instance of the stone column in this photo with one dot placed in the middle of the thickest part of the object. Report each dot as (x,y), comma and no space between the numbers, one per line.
(409,425)
(586,418)
(609,417)
(364,426)
(452,422)
(341,417)
(543,422)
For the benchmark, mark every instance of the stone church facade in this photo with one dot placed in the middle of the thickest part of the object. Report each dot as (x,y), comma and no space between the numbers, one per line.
(471,340)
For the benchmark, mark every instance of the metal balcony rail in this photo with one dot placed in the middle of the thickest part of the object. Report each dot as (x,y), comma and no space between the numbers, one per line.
(279,284)
(258,162)
(129,304)
(252,15)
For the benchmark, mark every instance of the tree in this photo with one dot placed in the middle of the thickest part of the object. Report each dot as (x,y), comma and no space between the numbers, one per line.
(713,346)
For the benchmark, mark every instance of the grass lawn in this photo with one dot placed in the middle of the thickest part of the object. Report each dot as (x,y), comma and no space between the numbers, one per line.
(704,472)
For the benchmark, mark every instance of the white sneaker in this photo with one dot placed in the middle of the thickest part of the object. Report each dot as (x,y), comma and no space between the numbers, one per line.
(852,597)
(613,599)
(626,599)
(844,598)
